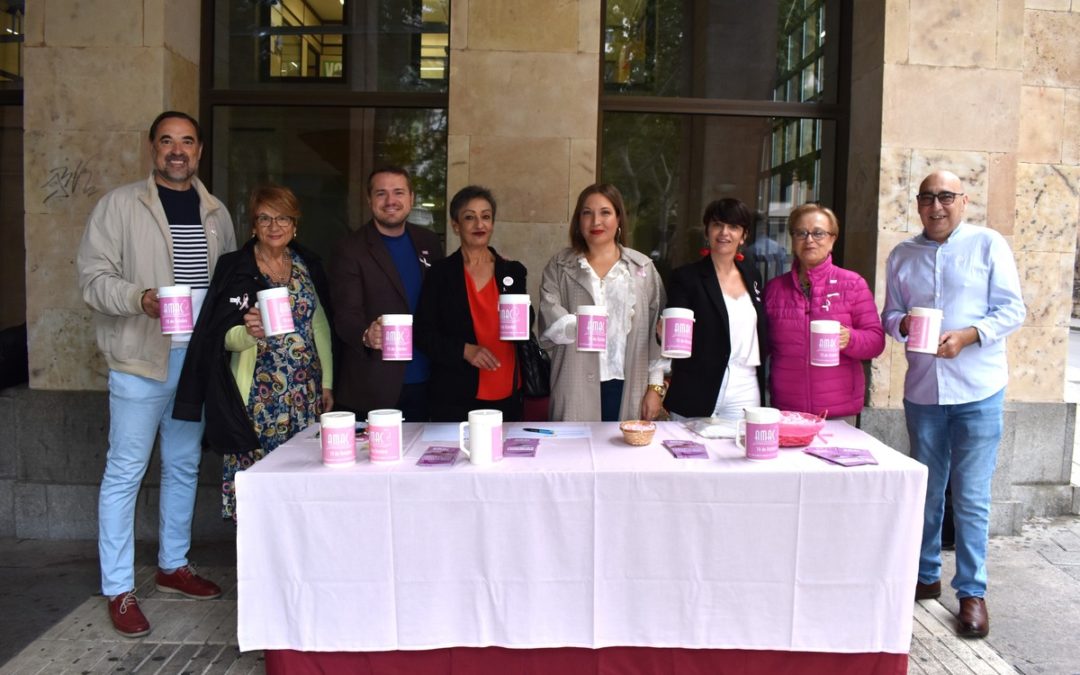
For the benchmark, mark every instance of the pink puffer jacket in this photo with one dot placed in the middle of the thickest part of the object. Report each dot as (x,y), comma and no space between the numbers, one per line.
(837,294)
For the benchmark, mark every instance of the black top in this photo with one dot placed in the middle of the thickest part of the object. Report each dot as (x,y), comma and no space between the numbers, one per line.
(206,381)
(443,324)
(695,381)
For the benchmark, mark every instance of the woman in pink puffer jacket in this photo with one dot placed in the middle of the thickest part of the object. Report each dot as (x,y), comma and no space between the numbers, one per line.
(817,289)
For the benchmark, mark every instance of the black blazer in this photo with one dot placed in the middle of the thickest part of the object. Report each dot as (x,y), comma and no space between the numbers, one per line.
(443,324)
(695,381)
(206,382)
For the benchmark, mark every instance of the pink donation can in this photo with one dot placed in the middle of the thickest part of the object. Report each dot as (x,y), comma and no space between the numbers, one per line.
(397,338)
(759,433)
(338,435)
(384,435)
(276,311)
(924,330)
(514,316)
(591,328)
(824,342)
(174,303)
(678,337)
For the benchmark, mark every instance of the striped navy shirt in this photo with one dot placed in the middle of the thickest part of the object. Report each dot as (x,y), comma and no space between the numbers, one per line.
(191,266)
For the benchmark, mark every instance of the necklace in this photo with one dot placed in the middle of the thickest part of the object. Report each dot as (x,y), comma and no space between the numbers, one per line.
(278,271)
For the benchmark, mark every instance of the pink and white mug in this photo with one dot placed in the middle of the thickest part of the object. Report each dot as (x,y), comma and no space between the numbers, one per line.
(759,433)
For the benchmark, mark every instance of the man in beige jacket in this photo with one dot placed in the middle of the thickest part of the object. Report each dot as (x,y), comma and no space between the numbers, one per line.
(163,231)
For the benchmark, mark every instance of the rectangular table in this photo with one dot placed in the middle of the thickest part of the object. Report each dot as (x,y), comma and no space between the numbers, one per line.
(591,544)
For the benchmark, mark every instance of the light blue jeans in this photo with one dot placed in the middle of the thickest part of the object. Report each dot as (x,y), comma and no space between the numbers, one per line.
(960,441)
(139,408)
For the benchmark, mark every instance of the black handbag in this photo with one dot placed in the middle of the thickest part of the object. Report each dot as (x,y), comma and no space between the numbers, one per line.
(535,368)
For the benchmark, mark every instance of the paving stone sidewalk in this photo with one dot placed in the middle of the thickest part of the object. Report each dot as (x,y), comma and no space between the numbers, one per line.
(1034,604)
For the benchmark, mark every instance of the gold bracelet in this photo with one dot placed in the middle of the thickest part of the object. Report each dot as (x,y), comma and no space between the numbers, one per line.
(660,390)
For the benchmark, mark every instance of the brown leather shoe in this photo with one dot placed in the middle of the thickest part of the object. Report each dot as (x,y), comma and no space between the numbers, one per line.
(973,620)
(928,591)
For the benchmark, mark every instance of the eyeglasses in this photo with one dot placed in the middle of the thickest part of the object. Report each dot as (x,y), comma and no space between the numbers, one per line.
(945,198)
(263,220)
(816,235)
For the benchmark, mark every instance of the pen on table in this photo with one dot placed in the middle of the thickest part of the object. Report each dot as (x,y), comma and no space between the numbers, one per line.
(546,432)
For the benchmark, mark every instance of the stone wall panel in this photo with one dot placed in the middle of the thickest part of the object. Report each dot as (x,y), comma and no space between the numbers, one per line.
(1050,49)
(946,107)
(1047,204)
(522,95)
(1041,125)
(524,26)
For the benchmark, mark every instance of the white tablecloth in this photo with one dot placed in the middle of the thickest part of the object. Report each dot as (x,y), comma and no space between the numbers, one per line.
(592,543)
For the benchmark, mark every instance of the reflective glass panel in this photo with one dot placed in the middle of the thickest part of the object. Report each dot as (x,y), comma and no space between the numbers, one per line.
(325,155)
(13,251)
(720,49)
(12,15)
(375,46)
(669,167)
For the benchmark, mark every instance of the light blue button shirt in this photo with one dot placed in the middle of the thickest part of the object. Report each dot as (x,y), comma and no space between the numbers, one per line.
(972,278)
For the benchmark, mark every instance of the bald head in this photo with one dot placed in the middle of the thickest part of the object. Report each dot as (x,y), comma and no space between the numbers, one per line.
(941,201)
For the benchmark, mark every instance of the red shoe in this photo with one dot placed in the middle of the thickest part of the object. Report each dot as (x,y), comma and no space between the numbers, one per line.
(127,618)
(187,583)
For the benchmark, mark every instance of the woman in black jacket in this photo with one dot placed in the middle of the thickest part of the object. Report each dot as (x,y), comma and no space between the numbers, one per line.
(257,390)
(724,373)
(457,319)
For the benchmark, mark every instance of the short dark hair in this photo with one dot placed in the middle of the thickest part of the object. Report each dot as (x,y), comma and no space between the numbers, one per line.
(174,113)
(730,211)
(278,197)
(466,195)
(609,191)
(389,168)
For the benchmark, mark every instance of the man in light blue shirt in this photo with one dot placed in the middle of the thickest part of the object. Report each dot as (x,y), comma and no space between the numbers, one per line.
(953,399)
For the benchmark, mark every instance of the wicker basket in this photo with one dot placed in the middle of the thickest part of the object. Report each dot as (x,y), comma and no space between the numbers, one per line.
(637,432)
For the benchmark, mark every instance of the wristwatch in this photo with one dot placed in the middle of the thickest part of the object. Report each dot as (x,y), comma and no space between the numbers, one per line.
(660,390)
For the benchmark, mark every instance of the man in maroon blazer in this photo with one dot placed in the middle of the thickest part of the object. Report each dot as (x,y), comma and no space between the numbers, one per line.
(378,269)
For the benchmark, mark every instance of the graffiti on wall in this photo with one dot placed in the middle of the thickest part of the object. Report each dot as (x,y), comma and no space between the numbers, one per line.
(67,181)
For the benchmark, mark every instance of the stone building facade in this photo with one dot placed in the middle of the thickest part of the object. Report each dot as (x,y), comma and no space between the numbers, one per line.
(990,90)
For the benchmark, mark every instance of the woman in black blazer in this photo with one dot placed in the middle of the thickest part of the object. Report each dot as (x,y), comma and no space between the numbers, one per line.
(457,319)
(724,372)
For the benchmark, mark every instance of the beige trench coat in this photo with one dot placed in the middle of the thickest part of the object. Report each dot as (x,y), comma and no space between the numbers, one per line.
(575,376)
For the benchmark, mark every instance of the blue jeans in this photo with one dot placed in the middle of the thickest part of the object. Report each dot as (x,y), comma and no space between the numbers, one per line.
(140,408)
(960,441)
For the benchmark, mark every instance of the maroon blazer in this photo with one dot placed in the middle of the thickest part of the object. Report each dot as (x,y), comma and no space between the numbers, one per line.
(364,285)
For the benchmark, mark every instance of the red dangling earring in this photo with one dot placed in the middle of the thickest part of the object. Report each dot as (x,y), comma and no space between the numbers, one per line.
(739,257)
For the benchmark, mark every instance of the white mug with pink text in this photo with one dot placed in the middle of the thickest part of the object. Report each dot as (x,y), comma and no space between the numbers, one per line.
(924,329)
(174,306)
(824,342)
(759,433)
(397,337)
(591,328)
(337,433)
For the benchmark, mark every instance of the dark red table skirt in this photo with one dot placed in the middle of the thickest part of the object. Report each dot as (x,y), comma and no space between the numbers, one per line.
(575,661)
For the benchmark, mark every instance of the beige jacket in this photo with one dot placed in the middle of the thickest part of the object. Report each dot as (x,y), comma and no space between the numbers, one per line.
(126,249)
(575,376)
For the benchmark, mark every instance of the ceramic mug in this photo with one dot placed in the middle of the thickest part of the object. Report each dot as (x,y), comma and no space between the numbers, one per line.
(824,343)
(384,435)
(678,333)
(174,303)
(759,433)
(485,444)
(337,433)
(276,311)
(591,328)
(397,338)
(924,330)
(514,316)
